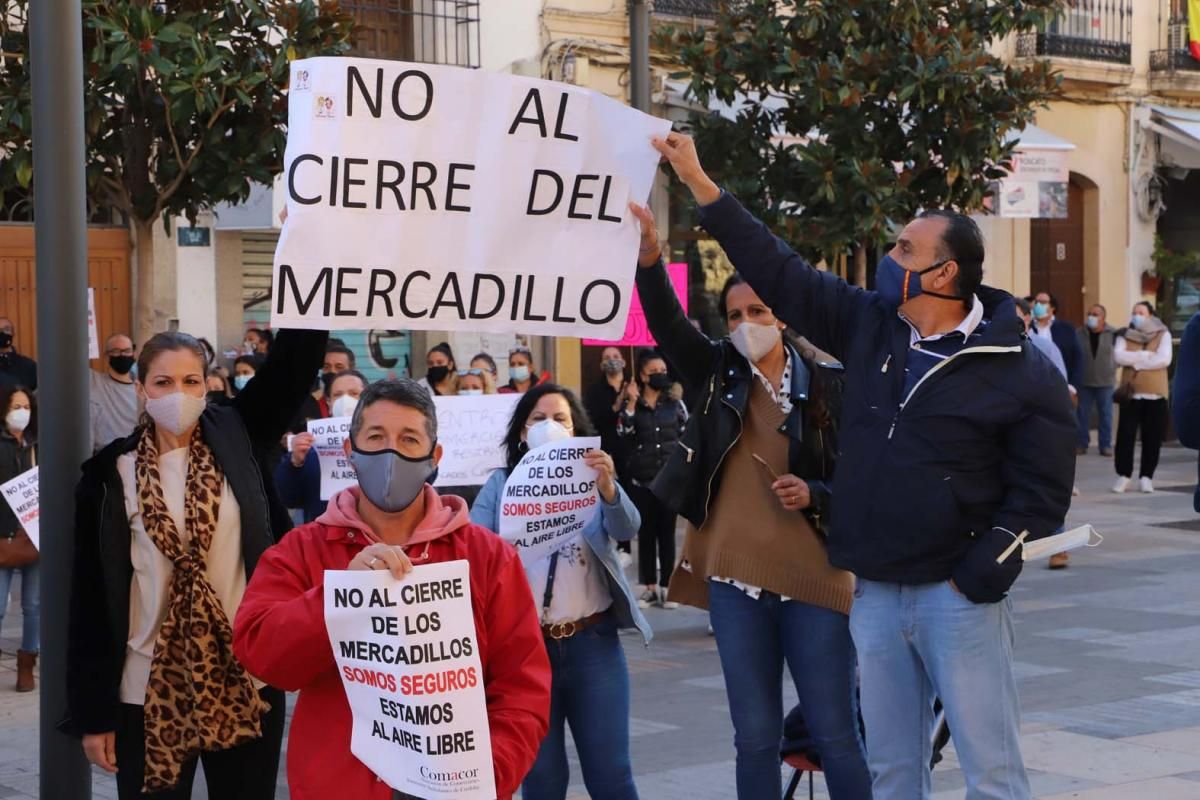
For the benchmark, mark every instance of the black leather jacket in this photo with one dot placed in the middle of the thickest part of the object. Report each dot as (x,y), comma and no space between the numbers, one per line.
(692,476)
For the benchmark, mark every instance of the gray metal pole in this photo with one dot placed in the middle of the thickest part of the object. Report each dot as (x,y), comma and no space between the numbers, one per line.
(60,232)
(639,54)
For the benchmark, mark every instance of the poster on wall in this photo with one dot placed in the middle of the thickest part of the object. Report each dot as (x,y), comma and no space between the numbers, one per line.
(1036,187)
(637,330)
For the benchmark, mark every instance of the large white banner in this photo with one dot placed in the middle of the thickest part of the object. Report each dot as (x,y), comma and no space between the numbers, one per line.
(471,432)
(408,655)
(549,498)
(21,494)
(436,197)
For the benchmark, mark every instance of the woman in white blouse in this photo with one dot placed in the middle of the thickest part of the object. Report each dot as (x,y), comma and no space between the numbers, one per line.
(1144,351)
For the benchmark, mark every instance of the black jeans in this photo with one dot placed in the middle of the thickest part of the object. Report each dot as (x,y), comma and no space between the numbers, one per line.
(1151,417)
(656,537)
(246,772)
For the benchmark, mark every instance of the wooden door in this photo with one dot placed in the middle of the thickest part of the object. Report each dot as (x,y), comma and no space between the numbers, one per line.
(1056,257)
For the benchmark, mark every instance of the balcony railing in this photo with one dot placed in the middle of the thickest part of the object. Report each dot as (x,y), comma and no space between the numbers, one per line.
(1093,30)
(700,9)
(1175,57)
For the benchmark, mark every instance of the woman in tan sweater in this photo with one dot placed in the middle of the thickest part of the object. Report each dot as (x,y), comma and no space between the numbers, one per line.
(1143,350)
(752,475)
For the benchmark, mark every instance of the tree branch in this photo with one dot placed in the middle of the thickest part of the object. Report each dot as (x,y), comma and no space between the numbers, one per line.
(169,190)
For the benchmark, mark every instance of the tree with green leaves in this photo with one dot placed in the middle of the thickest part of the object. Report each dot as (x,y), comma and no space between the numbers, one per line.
(842,118)
(184,105)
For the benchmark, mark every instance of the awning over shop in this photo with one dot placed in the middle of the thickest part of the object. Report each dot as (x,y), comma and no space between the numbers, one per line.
(1179,130)
(1035,138)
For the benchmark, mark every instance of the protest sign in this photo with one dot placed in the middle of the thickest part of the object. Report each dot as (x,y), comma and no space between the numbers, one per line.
(471,430)
(93,336)
(426,196)
(637,330)
(549,498)
(329,436)
(408,655)
(21,494)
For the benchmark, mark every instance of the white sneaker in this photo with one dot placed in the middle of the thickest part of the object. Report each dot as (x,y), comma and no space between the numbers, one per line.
(1121,485)
(667,604)
(1146,485)
(624,559)
(648,598)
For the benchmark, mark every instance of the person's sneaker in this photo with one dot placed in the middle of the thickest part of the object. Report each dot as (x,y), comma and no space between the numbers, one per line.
(1107,453)
(1059,561)
(711,632)
(1146,485)
(1081,451)
(1121,485)
(1075,491)
(664,602)
(624,559)
(648,598)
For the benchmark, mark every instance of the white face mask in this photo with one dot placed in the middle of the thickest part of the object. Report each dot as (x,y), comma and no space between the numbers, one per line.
(546,431)
(344,406)
(176,412)
(754,341)
(18,419)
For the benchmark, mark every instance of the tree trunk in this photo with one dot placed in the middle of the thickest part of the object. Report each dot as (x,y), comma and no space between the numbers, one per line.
(860,266)
(146,320)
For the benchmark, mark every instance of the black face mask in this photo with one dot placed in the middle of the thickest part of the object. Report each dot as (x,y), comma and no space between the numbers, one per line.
(660,381)
(327,380)
(216,397)
(437,374)
(121,364)
(5,340)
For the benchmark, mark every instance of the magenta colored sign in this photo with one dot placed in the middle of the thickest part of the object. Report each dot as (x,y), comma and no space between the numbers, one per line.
(637,332)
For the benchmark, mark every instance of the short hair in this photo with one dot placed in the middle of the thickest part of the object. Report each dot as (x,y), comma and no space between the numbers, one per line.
(513,446)
(401,391)
(1100,306)
(341,348)
(353,373)
(962,242)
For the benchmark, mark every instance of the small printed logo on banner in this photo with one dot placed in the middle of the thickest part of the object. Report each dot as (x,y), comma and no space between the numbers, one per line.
(303,81)
(326,107)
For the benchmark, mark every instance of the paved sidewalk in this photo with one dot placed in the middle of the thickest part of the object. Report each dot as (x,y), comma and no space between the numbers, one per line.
(1108,660)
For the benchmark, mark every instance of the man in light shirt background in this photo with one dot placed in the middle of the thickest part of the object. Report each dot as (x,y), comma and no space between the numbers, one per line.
(114,399)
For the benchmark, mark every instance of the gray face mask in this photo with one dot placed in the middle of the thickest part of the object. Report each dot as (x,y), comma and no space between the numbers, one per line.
(389,480)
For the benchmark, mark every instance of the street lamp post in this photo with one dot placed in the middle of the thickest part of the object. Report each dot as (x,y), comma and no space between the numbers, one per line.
(60,232)
(639,55)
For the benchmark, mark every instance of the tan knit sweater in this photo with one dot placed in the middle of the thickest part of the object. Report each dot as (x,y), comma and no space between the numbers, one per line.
(749,537)
(1150,381)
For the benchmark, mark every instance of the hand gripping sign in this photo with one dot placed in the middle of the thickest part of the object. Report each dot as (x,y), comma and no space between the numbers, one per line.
(549,498)
(408,655)
(426,197)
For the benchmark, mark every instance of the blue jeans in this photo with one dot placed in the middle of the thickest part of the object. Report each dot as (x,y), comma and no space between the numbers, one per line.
(916,643)
(590,691)
(1101,398)
(754,639)
(30,603)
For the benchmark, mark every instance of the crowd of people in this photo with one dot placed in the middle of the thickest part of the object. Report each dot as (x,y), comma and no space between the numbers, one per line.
(202,540)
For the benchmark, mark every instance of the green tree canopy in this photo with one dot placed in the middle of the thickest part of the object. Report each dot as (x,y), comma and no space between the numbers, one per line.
(845,117)
(183,104)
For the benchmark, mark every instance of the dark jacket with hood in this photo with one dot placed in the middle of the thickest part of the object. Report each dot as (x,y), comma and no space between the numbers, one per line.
(929,485)
(241,436)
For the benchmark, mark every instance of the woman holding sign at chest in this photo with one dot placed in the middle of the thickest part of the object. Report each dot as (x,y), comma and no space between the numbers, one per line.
(18,455)
(170,524)
(584,598)
(751,475)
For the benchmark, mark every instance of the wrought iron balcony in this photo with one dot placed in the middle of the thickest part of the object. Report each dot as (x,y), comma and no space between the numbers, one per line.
(1092,30)
(1176,57)
(701,9)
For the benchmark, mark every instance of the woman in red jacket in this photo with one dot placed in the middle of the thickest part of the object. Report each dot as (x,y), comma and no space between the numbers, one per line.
(390,520)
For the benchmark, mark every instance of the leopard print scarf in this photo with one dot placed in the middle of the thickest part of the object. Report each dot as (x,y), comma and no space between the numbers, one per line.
(199,697)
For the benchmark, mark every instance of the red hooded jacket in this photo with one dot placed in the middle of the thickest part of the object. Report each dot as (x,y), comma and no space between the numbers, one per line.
(280,637)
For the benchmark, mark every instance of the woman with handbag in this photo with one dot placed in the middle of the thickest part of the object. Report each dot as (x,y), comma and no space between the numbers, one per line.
(170,524)
(1144,351)
(17,554)
(751,474)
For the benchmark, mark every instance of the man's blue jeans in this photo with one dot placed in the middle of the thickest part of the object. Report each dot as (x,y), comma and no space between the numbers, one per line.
(754,639)
(916,643)
(30,602)
(1101,398)
(590,691)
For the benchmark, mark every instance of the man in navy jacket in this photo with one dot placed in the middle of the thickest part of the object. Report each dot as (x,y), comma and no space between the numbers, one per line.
(1186,394)
(957,438)
(1047,325)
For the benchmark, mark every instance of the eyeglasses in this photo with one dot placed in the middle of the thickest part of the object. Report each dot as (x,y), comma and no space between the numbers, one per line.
(478,373)
(128,351)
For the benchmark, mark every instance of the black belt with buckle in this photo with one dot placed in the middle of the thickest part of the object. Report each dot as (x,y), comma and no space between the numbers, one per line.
(565,630)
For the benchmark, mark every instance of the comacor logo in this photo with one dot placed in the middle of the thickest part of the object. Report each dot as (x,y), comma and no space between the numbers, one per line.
(449,777)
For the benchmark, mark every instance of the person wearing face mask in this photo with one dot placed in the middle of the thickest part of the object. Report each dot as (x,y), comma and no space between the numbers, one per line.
(170,524)
(114,399)
(1143,351)
(14,367)
(585,599)
(392,519)
(1048,326)
(603,402)
(18,454)
(649,424)
(217,384)
(475,382)
(752,475)
(485,362)
(257,343)
(441,375)
(298,472)
(956,440)
(1097,340)
(244,370)
(521,375)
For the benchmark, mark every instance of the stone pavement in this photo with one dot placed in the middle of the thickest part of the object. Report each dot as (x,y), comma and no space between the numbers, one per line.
(1108,660)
